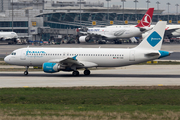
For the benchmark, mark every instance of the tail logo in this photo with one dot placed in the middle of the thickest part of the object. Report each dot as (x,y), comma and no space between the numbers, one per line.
(146,21)
(154,39)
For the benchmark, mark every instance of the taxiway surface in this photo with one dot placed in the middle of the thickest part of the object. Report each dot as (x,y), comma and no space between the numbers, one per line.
(135,75)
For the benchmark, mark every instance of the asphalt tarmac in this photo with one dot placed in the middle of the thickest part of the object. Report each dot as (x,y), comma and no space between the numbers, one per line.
(135,75)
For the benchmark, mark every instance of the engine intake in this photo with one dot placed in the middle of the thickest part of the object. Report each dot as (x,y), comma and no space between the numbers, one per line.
(84,39)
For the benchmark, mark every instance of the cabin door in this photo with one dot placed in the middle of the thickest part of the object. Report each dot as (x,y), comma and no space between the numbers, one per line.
(132,55)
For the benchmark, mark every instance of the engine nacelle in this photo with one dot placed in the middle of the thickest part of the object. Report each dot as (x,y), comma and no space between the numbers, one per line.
(84,39)
(51,67)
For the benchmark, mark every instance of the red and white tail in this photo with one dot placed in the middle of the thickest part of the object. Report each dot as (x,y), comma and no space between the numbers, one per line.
(146,20)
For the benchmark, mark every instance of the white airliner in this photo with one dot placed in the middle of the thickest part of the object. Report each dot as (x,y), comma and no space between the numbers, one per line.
(121,32)
(70,59)
(171,31)
(8,36)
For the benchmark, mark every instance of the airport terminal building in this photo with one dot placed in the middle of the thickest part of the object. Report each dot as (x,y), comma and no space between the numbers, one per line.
(48,19)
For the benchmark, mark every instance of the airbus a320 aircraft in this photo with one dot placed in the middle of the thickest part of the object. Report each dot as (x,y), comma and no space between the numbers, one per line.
(121,32)
(71,59)
(10,37)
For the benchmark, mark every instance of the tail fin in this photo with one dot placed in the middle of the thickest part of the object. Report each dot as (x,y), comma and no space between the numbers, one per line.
(154,39)
(146,20)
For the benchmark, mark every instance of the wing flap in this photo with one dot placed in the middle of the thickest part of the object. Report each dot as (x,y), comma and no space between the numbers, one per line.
(88,64)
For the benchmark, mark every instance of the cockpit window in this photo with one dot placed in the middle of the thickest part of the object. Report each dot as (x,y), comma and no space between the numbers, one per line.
(13,53)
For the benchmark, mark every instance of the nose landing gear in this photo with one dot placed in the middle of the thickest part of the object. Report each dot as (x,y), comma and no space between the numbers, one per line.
(26,72)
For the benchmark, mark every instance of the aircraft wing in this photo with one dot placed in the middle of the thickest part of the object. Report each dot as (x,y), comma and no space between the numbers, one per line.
(72,61)
(5,38)
(85,33)
(169,31)
(100,35)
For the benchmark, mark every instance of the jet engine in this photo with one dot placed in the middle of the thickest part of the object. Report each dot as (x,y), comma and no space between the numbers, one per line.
(51,67)
(83,39)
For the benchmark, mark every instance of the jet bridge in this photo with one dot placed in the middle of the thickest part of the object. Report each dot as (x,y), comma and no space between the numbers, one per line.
(47,33)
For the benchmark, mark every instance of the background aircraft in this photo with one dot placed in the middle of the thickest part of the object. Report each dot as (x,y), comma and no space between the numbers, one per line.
(70,59)
(170,31)
(10,37)
(112,33)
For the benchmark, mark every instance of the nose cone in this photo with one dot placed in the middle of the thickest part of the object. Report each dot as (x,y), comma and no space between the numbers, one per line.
(7,59)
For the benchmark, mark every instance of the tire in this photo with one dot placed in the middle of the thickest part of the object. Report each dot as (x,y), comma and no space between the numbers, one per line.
(25,72)
(75,73)
(87,72)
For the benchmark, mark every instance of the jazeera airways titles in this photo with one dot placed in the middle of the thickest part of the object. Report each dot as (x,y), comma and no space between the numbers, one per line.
(33,52)
(155,38)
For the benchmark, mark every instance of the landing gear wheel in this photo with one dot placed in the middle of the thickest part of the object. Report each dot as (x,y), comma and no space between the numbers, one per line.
(87,72)
(75,73)
(25,72)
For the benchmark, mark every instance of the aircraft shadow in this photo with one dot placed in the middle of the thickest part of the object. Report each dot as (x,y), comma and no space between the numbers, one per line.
(93,75)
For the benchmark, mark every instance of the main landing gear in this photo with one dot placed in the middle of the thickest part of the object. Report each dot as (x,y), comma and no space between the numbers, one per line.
(76,73)
(26,72)
(87,72)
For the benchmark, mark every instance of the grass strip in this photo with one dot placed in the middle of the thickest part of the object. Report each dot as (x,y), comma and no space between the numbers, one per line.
(91,103)
(87,96)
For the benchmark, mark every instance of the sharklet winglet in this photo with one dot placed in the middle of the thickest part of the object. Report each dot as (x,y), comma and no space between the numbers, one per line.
(74,57)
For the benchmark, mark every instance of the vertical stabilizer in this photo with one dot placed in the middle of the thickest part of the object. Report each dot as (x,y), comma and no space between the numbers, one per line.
(154,39)
(147,18)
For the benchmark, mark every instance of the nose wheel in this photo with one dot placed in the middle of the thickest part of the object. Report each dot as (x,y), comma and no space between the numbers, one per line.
(26,72)
(87,72)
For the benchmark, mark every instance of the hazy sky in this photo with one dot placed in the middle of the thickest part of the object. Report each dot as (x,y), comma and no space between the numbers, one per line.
(142,4)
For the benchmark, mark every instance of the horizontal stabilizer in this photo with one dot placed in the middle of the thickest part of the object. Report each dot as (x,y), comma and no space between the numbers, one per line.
(151,54)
